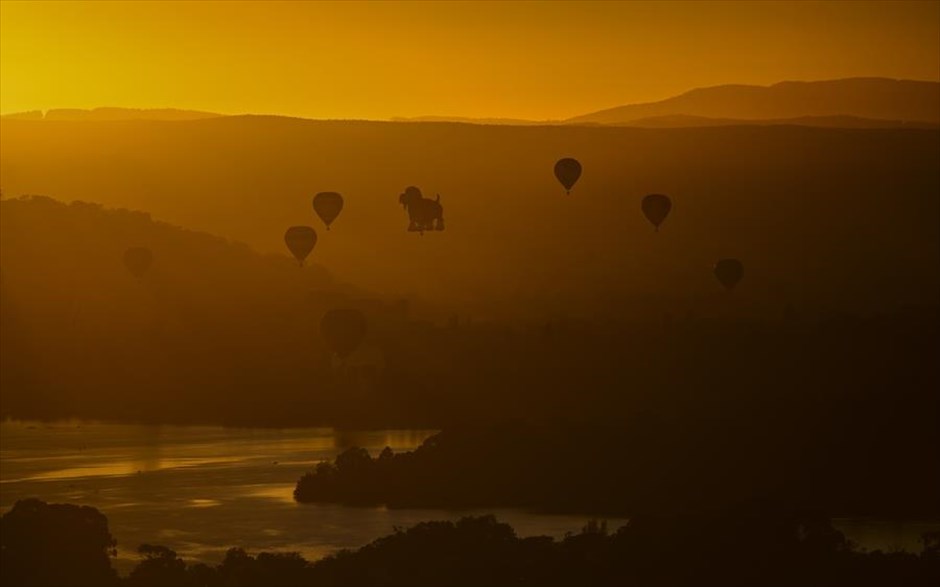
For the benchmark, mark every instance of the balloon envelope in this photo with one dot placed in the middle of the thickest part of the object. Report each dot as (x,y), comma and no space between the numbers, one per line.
(729,272)
(656,207)
(138,260)
(568,171)
(343,330)
(328,205)
(300,240)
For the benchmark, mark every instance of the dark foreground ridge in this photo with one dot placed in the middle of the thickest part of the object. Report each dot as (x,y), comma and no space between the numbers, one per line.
(65,545)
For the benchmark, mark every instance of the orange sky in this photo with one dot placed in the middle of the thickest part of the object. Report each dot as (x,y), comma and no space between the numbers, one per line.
(379,60)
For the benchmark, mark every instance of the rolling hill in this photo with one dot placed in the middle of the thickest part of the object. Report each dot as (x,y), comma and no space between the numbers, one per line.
(208,322)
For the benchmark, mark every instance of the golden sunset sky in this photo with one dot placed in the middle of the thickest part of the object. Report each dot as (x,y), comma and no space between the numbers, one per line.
(380,60)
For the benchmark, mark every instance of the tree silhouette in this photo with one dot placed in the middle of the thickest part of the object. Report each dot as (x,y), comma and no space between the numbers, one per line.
(55,544)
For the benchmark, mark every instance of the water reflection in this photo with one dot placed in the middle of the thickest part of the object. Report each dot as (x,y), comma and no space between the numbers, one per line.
(204,503)
(197,489)
(274,491)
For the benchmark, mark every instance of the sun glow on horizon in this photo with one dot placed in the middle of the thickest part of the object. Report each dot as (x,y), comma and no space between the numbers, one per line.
(387,59)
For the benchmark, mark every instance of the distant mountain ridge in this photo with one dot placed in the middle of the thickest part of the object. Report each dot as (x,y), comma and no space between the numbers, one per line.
(687,121)
(470,120)
(842,103)
(110,113)
(867,98)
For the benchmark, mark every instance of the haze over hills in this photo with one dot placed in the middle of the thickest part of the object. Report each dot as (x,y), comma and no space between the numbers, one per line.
(515,244)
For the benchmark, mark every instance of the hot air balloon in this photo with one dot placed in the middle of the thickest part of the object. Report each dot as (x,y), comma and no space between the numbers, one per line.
(300,240)
(328,205)
(729,272)
(138,260)
(568,171)
(656,207)
(343,330)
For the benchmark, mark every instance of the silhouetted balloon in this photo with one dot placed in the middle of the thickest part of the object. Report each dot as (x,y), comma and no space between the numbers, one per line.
(328,205)
(343,330)
(656,207)
(568,171)
(300,240)
(138,260)
(729,272)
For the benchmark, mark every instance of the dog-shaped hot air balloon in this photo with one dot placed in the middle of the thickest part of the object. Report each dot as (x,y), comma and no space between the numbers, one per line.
(423,213)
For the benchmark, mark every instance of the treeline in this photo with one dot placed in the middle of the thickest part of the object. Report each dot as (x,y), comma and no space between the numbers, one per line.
(851,463)
(67,545)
